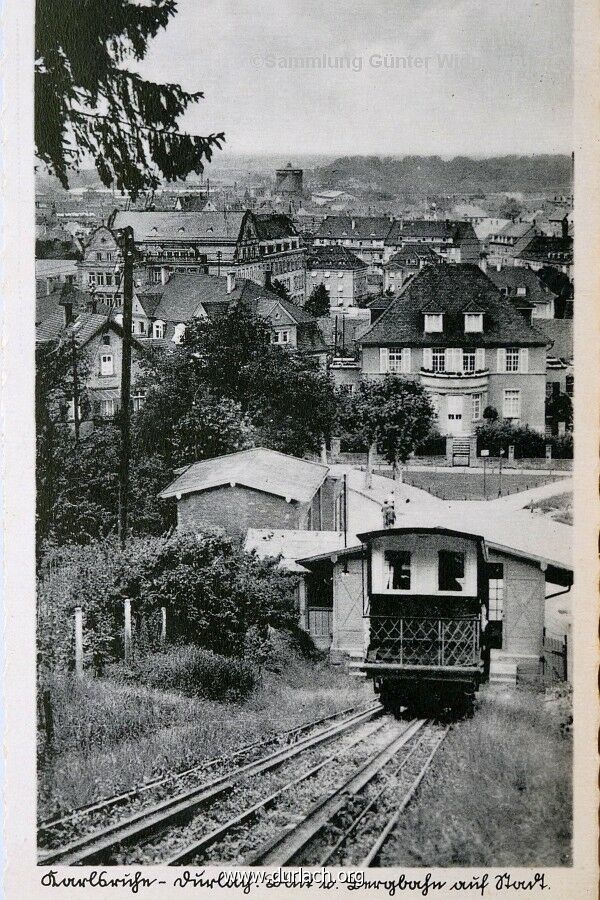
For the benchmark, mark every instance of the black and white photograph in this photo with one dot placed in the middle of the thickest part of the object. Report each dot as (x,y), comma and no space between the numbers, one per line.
(303,411)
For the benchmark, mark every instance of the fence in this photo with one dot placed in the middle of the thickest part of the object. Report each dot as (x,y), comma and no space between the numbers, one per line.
(320,621)
(555,658)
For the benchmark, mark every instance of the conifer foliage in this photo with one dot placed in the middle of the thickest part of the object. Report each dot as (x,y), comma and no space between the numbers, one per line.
(88,104)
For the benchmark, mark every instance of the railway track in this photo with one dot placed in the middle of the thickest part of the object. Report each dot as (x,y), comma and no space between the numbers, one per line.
(98,846)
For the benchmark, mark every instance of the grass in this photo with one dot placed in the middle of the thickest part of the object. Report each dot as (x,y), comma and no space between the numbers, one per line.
(111,736)
(559,507)
(469,486)
(498,793)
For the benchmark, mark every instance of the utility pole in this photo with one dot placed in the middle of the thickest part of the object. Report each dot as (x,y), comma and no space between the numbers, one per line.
(127,249)
(75,388)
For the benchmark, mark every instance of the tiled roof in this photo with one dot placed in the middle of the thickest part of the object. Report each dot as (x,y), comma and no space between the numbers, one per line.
(335,257)
(407,229)
(513,277)
(156,226)
(273,226)
(560,332)
(514,230)
(451,287)
(47,304)
(260,469)
(85,326)
(548,249)
(46,268)
(411,255)
(365,228)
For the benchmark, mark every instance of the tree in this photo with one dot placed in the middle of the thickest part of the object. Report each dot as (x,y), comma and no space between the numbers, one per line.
(394,413)
(269,395)
(89,105)
(490,414)
(559,409)
(318,302)
(280,289)
(561,286)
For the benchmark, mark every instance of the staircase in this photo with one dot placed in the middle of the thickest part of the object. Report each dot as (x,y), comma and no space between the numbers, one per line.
(461,451)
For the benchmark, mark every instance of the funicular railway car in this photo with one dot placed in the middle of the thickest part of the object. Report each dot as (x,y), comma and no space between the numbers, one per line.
(424,602)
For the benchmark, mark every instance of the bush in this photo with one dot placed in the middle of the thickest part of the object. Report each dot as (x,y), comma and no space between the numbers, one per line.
(433,445)
(528,444)
(191,671)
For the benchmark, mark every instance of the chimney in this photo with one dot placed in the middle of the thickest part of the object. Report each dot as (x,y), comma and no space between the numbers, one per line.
(164,275)
(92,304)
(268,279)
(565,227)
(231,282)
(483,262)
(353,224)
(67,313)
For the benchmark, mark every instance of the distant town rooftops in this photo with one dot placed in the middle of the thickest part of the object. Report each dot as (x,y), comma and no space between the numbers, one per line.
(354,227)
(413,255)
(519,282)
(260,469)
(548,250)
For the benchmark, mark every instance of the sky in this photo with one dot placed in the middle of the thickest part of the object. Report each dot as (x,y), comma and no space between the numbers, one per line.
(387,77)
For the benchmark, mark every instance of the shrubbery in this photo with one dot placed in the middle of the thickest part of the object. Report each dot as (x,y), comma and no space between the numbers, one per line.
(213,592)
(433,445)
(528,444)
(192,671)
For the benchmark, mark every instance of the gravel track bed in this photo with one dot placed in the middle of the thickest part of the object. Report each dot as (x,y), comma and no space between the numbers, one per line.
(87,821)
(342,756)
(393,784)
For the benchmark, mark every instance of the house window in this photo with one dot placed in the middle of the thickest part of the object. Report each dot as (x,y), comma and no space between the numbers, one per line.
(468,361)
(106,339)
(280,337)
(521,291)
(107,364)
(137,400)
(473,321)
(476,407)
(451,570)
(108,408)
(512,404)
(569,381)
(98,256)
(495,573)
(434,322)
(159,330)
(512,359)
(438,357)
(398,570)
(395,360)
(109,279)
(91,278)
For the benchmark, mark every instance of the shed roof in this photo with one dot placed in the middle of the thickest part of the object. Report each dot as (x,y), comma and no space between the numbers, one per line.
(259,468)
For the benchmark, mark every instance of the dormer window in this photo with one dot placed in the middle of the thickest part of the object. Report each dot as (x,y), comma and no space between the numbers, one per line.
(521,291)
(434,322)
(473,322)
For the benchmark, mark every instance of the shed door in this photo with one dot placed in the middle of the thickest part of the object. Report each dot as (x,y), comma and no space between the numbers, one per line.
(348,622)
(523,616)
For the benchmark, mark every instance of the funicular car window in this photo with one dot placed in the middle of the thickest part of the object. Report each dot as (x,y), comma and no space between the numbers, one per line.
(398,570)
(451,570)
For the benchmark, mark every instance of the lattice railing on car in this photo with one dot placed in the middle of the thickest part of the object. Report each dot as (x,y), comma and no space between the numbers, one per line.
(425,642)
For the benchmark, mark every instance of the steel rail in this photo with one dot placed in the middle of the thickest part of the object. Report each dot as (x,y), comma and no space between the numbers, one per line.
(93,847)
(375,850)
(48,825)
(288,843)
(356,822)
(187,854)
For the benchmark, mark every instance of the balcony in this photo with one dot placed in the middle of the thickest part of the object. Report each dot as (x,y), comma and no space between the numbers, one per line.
(455,381)
(425,642)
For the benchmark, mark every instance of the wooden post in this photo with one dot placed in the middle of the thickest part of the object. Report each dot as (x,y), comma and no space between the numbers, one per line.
(163,624)
(78,642)
(127,640)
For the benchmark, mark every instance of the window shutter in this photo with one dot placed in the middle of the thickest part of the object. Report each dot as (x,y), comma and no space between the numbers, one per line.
(427,358)
(480,358)
(406,366)
(524,360)
(384,362)
(453,359)
(501,361)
